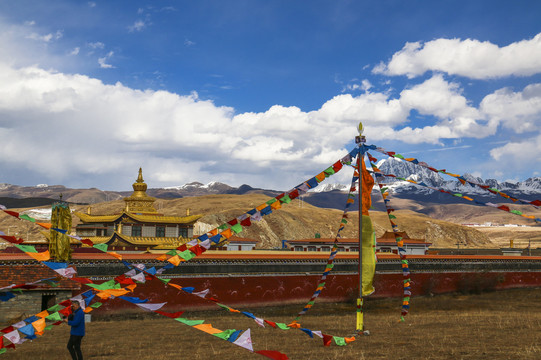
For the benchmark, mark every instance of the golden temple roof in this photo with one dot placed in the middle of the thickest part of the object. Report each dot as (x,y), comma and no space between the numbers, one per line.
(139,201)
(160,242)
(143,218)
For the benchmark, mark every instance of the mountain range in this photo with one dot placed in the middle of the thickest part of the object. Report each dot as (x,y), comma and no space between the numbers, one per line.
(326,195)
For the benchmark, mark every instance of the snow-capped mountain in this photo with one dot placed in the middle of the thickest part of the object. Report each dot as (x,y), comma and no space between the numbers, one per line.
(407,170)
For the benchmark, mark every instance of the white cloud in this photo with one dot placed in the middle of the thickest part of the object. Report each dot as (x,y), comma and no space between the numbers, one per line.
(92,4)
(138,26)
(75,51)
(470,58)
(518,154)
(102,61)
(96,45)
(45,38)
(188,42)
(517,111)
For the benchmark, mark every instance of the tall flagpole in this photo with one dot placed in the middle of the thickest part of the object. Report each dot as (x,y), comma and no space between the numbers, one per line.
(360,140)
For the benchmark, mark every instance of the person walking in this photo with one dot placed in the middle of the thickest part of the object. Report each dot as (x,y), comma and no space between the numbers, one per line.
(77,322)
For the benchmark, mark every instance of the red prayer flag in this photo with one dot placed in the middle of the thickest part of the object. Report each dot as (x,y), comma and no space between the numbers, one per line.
(337,166)
(12,346)
(246,222)
(170,315)
(294,194)
(11,239)
(81,280)
(327,339)
(12,213)
(233,222)
(87,242)
(197,249)
(8,329)
(65,311)
(271,354)
(536,202)
(271,323)
(182,247)
(503,207)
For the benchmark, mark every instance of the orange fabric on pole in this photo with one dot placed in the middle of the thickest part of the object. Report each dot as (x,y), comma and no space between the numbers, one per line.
(368,184)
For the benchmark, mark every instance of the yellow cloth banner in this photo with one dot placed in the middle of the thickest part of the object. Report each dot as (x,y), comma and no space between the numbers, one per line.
(369,256)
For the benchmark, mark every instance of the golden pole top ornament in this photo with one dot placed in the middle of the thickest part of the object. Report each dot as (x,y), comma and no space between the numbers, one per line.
(361,128)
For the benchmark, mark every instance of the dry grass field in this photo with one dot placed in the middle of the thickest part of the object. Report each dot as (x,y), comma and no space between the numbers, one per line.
(496,325)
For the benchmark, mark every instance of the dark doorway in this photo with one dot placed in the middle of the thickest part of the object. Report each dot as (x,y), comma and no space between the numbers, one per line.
(47,301)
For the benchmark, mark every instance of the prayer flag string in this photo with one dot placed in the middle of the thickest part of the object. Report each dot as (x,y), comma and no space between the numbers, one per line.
(399,242)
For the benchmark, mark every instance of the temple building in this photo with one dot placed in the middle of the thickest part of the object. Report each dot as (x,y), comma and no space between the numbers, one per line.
(139,226)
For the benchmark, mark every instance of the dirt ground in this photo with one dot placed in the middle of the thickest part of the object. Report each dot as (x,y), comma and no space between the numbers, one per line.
(495,325)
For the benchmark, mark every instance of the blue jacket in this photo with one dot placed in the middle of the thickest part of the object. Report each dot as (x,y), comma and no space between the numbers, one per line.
(77,323)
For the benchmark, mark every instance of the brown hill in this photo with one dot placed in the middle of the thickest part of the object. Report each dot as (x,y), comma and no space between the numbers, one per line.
(294,221)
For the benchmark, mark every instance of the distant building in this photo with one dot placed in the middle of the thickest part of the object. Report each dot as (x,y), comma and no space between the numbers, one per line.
(235,243)
(139,226)
(384,244)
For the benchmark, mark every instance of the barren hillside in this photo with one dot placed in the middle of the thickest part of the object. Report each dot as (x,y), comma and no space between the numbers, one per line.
(293,221)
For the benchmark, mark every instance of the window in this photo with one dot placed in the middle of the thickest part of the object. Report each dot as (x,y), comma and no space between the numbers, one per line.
(298,248)
(325,248)
(136,230)
(183,232)
(311,248)
(160,231)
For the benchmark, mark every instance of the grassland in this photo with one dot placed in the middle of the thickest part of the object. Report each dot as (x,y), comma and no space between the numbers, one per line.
(496,325)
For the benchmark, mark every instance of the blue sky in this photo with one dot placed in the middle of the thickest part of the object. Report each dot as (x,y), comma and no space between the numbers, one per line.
(263,92)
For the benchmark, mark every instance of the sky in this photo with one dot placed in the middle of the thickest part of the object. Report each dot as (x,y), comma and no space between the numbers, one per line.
(265,93)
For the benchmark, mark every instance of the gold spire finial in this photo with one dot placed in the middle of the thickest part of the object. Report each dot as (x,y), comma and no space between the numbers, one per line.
(140,177)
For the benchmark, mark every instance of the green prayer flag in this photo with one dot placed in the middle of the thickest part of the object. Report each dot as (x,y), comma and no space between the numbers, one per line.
(96,305)
(271,201)
(54,308)
(172,252)
(54,317)
(48,327)
(457,194)
(383,189)
(223,306)
(516,212)
(165,281)
(101,247)
(285,199)
(344,221)
(340,341)
(187,255)
(111,284)
(3,350)
(329,171)
(282,326)
(496,190)
(226,334)
(189,322)
(26,248)
(237,228)
(392,216)
(223,227)
(26,217)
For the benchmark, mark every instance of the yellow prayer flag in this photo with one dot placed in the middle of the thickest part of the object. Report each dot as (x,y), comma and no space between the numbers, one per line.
(42,314)
(208,328)
(39,325)
(175,260)
(42,256)
(369,255)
